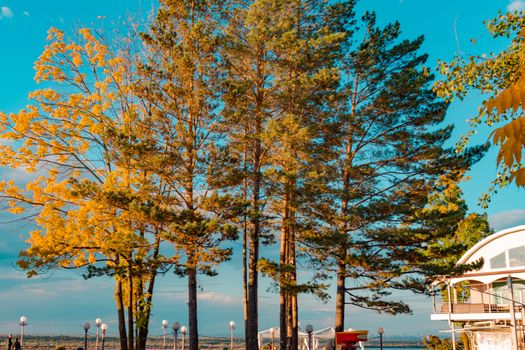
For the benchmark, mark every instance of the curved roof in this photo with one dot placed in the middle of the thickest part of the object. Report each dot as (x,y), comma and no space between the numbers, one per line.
(488,240)
(503,254)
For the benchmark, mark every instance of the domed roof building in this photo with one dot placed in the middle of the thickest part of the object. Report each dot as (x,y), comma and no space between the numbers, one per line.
(487,304)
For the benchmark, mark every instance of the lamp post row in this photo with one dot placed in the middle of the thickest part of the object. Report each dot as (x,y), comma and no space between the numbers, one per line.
(99,325)
(86,326)
(176,327)
(103,327)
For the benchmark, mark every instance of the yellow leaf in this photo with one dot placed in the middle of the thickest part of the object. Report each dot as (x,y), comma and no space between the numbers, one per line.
(77,60)
(519,176)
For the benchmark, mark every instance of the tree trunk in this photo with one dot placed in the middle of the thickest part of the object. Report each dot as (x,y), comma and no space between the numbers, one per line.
(245,282)
(343,251)
(253,277)
(131,301)
(289,315)
(145,307)
(253,285)
(142,336)
(293,292)
(284,301)
(248,333)
(121,317)
(282,320)
(340,294)
(192,309)
(294,322)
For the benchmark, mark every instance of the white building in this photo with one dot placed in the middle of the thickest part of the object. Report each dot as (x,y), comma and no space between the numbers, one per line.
(487,304)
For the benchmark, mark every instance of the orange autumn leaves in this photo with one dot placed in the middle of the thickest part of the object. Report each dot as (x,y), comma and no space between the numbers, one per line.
(511,137)
(61,139)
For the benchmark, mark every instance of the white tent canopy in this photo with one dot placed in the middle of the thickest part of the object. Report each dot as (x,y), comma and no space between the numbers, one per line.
(319,338)
(322,337)
(325,333)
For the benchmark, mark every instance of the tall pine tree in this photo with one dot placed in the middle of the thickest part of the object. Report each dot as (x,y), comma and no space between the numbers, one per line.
(180,78)
(391,152)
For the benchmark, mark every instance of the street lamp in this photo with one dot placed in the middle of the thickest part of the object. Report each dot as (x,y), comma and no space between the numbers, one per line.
(309,329)
(23,323)
(380,330)
(272,333)
(175,327)
(98,322)
(104,328)
(86,327)
(164,326)
(232,327)
(183,331)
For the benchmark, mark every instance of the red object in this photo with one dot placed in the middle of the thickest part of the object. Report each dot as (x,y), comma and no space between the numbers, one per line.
(349,339)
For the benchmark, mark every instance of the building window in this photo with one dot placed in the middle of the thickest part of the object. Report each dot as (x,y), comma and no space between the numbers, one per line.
(517,256)
(498,261)
(501,292)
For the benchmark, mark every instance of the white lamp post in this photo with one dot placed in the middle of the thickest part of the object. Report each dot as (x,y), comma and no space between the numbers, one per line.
(164,326)
(380,331)
(175,327)
(232,327)
(272,333)
(23,323)
(86,327)
(104,328)
(183,331)
(98,322)
(309,329)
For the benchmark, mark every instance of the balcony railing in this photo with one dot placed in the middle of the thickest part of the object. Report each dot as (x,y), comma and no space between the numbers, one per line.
(471,308)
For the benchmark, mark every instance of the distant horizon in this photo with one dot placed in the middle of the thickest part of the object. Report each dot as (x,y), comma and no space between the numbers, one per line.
(240,338)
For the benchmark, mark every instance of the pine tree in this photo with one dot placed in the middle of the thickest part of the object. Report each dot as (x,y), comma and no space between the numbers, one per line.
(390,153)
(306,79)
(180,79)
(248,84)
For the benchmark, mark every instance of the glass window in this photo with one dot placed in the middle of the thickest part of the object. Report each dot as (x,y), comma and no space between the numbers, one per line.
(517,256)
(498,261)
(519,291)
(501,293)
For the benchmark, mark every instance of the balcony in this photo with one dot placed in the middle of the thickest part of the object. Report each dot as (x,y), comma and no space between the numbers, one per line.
(470,308)
(474,312)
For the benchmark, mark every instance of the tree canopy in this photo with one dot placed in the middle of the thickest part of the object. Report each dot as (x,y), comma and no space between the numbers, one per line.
(295,122)
(499,79)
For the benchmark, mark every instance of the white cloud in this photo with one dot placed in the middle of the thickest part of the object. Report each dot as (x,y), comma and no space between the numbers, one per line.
(516,5)
(5,12)
(507,219)
(217,298)
(11,274)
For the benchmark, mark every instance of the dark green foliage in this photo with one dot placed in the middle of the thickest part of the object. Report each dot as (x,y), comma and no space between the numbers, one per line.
(389,154)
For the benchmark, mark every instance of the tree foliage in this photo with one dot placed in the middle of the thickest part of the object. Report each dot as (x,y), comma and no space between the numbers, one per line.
(499,78)
(88,200)
(382,169)
(291,120)
(180,78)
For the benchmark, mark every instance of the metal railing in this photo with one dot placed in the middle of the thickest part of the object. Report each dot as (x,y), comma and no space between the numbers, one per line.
(471,308)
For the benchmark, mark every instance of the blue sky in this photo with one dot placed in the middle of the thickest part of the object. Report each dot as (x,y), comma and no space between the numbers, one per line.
(62,302)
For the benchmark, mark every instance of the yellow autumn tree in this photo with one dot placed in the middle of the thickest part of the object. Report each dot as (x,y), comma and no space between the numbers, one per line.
(90,201)
(500,78)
